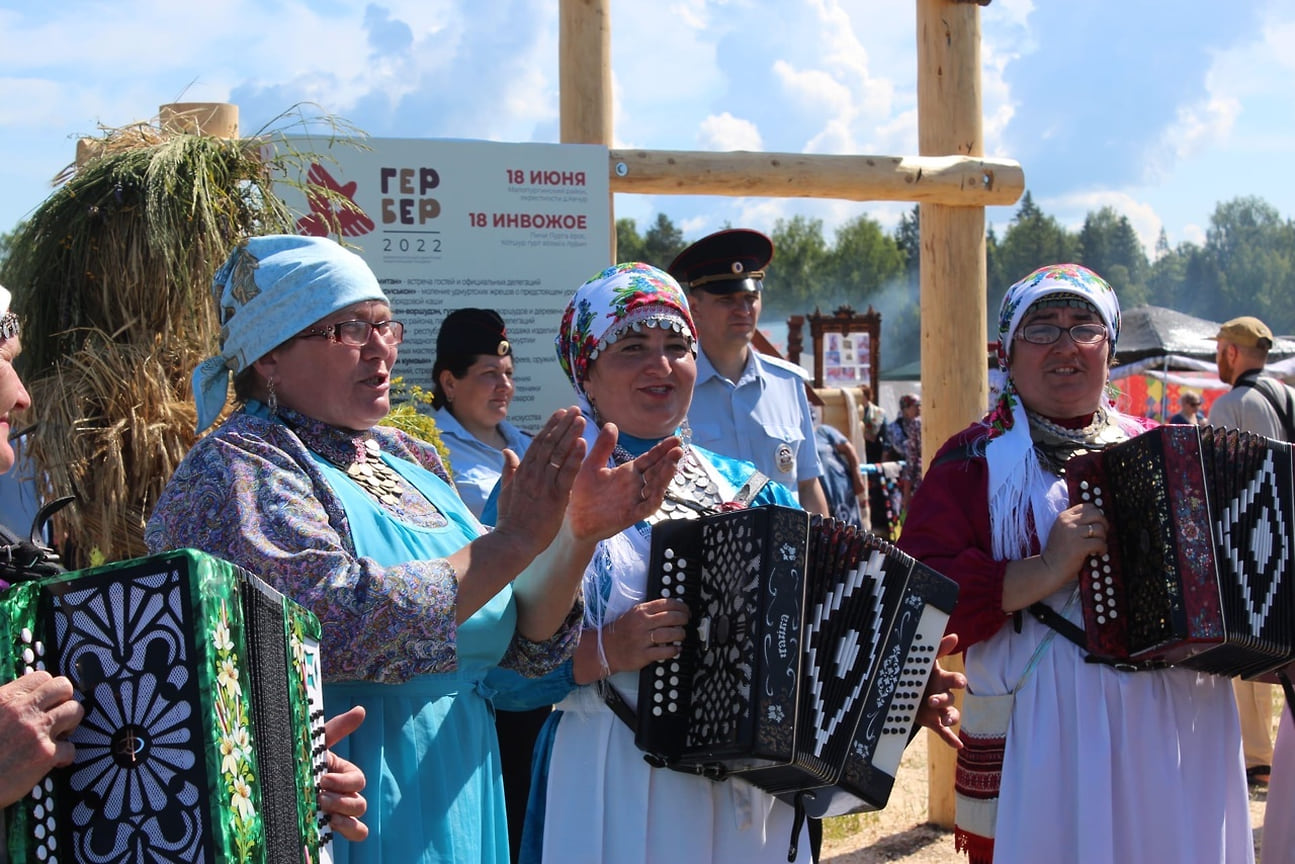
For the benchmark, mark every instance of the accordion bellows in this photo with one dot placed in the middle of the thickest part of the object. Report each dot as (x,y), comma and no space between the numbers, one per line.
(1200,568)
(203,732)
(805,660)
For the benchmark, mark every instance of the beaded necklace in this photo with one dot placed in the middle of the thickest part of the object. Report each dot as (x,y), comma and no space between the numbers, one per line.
(692,492)
(1056,444)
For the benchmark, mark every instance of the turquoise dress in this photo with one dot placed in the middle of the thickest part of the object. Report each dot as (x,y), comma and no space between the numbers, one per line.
(427,747)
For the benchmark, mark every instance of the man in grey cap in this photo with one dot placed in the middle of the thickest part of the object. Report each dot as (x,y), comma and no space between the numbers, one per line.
(1256,403)
(745,405)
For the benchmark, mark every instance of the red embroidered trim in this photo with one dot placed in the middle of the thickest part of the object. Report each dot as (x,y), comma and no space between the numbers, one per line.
(980,850)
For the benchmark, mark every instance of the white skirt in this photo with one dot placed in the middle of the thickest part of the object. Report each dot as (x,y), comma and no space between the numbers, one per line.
(605,803)
(1109,766)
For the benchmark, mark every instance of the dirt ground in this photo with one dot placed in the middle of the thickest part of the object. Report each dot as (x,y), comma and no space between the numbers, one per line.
(901,833)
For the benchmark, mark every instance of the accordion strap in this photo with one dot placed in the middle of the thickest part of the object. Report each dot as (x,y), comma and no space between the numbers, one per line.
(750,489)
(1048,616)
(618,705)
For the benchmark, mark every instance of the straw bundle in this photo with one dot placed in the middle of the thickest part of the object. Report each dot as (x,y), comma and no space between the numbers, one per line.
(111,276)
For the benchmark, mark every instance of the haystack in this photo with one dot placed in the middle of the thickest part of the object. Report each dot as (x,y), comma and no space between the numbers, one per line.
(111,276)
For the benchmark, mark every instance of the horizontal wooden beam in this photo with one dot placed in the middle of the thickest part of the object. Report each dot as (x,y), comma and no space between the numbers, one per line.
(967,181)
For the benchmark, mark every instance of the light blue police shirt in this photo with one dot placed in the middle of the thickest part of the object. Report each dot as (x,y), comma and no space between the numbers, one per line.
(763,418)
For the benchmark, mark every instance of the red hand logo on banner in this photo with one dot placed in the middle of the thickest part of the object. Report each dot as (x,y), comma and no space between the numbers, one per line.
(350,219)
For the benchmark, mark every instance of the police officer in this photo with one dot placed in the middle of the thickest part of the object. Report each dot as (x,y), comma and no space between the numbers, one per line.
(745,405)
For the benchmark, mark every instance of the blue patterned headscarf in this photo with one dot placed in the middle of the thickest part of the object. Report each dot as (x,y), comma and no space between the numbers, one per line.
(267,291)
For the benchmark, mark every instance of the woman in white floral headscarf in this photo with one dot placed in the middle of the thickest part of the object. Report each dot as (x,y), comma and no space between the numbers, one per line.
(628,344)
(1095,764)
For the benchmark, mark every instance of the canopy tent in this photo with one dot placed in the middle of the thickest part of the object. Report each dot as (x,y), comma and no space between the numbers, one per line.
(1176,350)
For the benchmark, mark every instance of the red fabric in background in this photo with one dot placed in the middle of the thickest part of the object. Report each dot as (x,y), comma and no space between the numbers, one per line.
(1140,394)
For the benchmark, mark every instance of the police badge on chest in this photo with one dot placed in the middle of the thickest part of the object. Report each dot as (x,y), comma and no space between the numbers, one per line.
(785,458)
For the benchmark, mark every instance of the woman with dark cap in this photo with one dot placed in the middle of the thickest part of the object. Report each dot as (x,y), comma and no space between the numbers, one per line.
(471,390)
(358,522)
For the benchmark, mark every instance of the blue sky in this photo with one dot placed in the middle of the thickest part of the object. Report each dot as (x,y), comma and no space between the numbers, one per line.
(1160,109)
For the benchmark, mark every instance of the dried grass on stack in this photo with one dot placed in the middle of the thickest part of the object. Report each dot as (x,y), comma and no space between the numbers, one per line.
(111,276)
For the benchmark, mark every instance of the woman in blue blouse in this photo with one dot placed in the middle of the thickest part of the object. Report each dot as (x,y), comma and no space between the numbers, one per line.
(358,522)
(472,383)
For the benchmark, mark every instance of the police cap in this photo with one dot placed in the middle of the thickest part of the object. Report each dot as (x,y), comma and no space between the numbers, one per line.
(725,262)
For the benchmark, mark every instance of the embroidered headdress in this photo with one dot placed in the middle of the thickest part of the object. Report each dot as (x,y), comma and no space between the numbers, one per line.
(1014,471)
(9,327)
(620,298)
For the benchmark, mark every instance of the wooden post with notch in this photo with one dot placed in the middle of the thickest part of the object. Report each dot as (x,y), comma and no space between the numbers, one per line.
(951,179)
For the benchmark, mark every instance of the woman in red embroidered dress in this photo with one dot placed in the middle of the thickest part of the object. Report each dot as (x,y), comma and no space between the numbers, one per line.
(1095,764)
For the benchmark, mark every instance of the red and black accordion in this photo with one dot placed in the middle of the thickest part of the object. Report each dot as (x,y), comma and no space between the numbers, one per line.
(805,660)
(202,739)
(1201,550)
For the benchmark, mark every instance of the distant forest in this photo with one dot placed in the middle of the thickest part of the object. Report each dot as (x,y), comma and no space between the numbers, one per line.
(1246,266)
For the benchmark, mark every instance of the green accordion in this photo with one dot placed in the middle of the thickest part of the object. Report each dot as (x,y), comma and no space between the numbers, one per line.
(203,737)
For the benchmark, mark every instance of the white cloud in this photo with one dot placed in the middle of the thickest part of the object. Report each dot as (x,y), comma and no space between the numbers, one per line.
(814,89)
(1071,210)
(1246,86)
(726,132)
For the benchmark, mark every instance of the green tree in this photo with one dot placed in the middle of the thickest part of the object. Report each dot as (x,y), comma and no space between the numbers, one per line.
(1249,262)
(1109,246)
(908,237)
(795,276)
(1032,240)
(1167,279)
(863,260)
(901,307)
(629,243)
(662,242)
(6,241)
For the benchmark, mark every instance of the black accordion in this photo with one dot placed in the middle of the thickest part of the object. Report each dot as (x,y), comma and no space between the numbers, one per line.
(806,657)
(203,737)
(1201,550)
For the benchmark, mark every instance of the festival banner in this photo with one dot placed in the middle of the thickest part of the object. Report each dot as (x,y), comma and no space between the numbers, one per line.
(448,224)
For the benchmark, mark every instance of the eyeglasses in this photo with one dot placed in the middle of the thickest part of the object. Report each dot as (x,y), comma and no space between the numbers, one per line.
(1046,334)
(357,333)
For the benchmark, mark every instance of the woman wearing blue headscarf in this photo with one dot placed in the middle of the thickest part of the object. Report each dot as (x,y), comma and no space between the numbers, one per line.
(359,522)
(1065,760)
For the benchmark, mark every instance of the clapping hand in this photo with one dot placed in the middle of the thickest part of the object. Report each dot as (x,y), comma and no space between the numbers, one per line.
(605,501)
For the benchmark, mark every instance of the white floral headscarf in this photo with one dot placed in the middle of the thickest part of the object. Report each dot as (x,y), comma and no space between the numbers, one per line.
(1017,484)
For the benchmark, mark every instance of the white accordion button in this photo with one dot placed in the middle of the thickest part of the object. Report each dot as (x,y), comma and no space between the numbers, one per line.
(26,635)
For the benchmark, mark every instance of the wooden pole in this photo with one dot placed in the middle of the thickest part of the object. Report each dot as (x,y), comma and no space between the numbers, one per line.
(958,180)
(585,80)
(954,317)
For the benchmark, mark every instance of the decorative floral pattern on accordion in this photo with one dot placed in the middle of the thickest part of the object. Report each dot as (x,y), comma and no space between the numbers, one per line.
(167,767)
